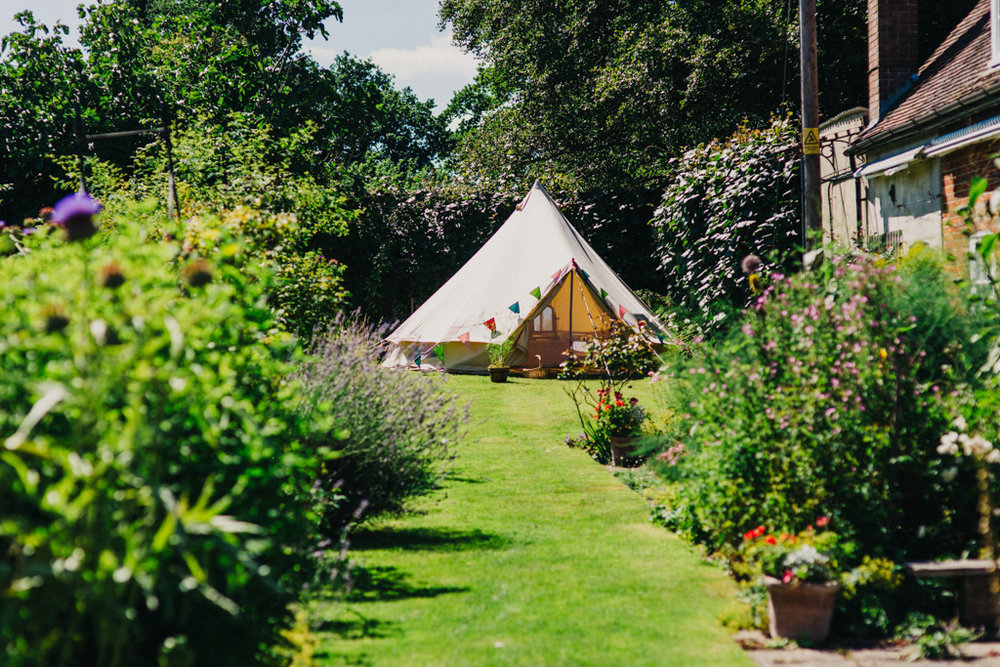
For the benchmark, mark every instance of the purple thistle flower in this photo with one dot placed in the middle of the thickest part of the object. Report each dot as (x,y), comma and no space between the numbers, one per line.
(75,213)
(751,264)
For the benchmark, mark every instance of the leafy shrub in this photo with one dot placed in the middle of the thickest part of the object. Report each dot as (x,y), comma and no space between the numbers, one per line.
(306,290)
(725,200)
(826,399)
(392,431)
(934,640)
(152,489)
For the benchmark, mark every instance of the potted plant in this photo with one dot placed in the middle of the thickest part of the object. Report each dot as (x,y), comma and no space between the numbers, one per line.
(499,353)
(621,419)
(799,576)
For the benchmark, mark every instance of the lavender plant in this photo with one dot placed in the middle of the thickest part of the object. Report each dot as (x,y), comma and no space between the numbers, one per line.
(391,433)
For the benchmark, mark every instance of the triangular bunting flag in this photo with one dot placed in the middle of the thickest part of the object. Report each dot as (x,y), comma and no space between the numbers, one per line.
(516,308)
(604,293)
(464,339)
(439,351)
(491,324)
(659,335)
(621,311)
(416,360)
(584,274)
(537,293)
(495,333)
(555,276)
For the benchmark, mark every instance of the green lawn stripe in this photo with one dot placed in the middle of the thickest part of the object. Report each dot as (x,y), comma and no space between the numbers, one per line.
(532,554)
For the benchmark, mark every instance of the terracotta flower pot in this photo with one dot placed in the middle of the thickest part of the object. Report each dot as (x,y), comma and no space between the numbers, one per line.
(800,610)
(621,446)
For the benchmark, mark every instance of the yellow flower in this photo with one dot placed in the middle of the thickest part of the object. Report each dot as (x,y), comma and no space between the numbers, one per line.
(882,354)
(756,284)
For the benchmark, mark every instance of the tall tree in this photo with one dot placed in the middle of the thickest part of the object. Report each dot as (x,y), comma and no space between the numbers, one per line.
(608,91)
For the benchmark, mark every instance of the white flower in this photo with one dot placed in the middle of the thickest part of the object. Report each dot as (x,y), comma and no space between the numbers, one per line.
(948,443)
(993,456)
(949,475)
(959,423)
(977,445)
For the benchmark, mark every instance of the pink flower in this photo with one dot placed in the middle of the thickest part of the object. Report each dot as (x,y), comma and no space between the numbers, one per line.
(788,577)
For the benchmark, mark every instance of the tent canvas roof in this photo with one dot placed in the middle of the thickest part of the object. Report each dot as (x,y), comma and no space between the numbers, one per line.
(514,270)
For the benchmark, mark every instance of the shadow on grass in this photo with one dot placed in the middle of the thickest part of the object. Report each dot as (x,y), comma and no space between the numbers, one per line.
(425,539)
(358,627)
(384,584)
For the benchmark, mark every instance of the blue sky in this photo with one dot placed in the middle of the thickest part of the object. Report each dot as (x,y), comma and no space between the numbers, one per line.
(401,36)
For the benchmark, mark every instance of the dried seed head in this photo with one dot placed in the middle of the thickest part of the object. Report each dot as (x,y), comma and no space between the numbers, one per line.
(54,318)
(197,273)
(112,276)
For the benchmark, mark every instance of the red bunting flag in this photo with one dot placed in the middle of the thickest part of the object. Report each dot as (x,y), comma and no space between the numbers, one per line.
(621,311)
(464,339)
(491,324)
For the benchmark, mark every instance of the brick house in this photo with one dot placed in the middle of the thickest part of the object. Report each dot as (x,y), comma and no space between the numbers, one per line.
(932,127)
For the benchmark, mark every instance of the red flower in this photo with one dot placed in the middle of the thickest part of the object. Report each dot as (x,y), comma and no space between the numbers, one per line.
(633,401)
(770,540)
(760,530)
(749,535)
(787,577)
(822,521)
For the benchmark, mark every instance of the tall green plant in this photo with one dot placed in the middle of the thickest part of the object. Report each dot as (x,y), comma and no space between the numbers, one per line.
(826,399)
(155,501)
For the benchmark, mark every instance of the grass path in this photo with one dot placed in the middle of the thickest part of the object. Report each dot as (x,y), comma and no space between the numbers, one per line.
(531,554)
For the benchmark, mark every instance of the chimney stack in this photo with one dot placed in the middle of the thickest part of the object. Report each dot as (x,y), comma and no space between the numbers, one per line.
(893,50)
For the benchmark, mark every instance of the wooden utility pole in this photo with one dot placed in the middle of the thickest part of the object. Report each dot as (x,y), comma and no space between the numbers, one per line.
(811,213)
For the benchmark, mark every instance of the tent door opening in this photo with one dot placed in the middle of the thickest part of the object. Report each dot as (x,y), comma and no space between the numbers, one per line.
(563,320)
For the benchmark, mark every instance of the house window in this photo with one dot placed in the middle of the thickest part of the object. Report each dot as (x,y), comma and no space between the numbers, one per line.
(995,32)
(545,321)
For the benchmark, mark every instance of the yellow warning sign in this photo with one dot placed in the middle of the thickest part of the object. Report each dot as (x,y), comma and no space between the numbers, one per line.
(810,141)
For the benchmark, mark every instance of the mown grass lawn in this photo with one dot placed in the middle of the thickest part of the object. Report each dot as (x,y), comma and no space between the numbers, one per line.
(531,553)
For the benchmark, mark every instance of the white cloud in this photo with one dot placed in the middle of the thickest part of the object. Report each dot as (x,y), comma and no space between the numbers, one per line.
(440,58)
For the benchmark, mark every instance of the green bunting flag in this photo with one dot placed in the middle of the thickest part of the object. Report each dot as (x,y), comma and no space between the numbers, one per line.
(604,293)
(659,335)
(439,351)
(537,293)
(416,360)
(495,333)
(584,274)
(516,308)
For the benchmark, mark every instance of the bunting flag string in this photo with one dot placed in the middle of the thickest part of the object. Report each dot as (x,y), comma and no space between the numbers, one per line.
(516,308)
(537,293)
(439,351)
(464,339)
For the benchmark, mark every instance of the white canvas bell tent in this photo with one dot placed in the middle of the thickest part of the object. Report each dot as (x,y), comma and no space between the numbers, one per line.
(536,280)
